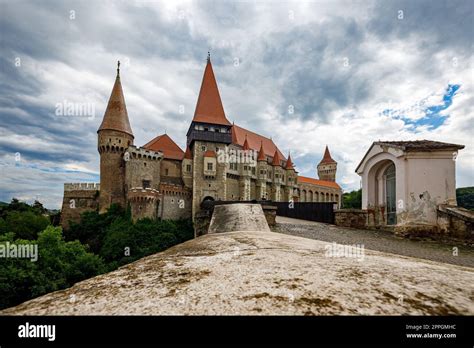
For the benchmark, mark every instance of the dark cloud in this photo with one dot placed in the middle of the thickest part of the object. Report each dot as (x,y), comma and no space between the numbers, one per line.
(439,24)
(323,61)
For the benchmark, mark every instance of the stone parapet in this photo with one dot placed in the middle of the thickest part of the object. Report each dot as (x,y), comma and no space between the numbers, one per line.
(93,186)
(355,218)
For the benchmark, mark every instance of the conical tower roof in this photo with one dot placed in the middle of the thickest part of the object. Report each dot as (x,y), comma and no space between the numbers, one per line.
(289,163)
(116,116)
(209,107)
(246,144)
(261,153)
(276,159)
(327,157)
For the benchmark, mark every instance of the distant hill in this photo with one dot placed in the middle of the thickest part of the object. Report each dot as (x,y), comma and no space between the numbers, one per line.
(465,197)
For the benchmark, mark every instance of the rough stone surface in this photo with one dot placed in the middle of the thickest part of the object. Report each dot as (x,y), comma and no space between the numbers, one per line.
(252,273)
(455,223)
(238,217)
(356,218)
(270,214)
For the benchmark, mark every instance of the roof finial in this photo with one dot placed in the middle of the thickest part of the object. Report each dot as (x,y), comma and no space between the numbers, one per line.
(208,56)
(118,68)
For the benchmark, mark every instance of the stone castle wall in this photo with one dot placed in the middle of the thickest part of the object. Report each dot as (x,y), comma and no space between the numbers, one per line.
(176,202)
(142,165)
(77,199)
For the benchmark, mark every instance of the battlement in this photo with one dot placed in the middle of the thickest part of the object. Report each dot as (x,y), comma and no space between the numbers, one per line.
(92,186)
(143,194)
(175,190)
(135,152)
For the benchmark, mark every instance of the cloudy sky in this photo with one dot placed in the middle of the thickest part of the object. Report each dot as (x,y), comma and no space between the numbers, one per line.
(342,73)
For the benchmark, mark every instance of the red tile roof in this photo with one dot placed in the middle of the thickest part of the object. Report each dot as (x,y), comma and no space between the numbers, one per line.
(116,116)
(306,180)
(209,153)
(188,154)
(166,145)
(255,141)
(327,157)
(209,107)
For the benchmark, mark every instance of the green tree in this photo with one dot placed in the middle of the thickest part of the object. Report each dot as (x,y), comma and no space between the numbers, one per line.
(60,264)
(352,199)
(25,224)
(465,197)
(92,226)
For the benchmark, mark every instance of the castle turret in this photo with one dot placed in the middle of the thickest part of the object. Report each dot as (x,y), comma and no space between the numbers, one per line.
(290,179)
(261,183)
(208,137)
(277,177)
(114,137)
(327,167)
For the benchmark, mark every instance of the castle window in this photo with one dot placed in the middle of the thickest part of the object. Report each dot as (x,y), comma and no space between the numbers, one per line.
(146,184)
(144,164)
(166,171)
(120,141)
(216,130)
(188,168)
(210,166)
(203,148)
(110,140)
(206,129)
(253,170)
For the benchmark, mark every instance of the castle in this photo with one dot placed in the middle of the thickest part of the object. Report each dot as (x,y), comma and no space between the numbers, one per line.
(222,161)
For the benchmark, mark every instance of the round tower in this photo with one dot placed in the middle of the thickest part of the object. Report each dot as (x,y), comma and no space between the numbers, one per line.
(327,167)
(114,137)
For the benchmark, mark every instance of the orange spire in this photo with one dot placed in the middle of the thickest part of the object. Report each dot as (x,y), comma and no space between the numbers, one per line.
(276,159)
(209,107)
(187,154)
(116,116)
(289,164)
(261,153)
(327,157)
(246,144)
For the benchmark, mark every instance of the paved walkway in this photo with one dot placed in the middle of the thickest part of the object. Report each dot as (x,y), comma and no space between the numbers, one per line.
(377,240)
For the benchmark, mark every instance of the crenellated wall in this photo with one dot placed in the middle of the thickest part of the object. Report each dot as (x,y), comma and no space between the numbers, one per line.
(77,199)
